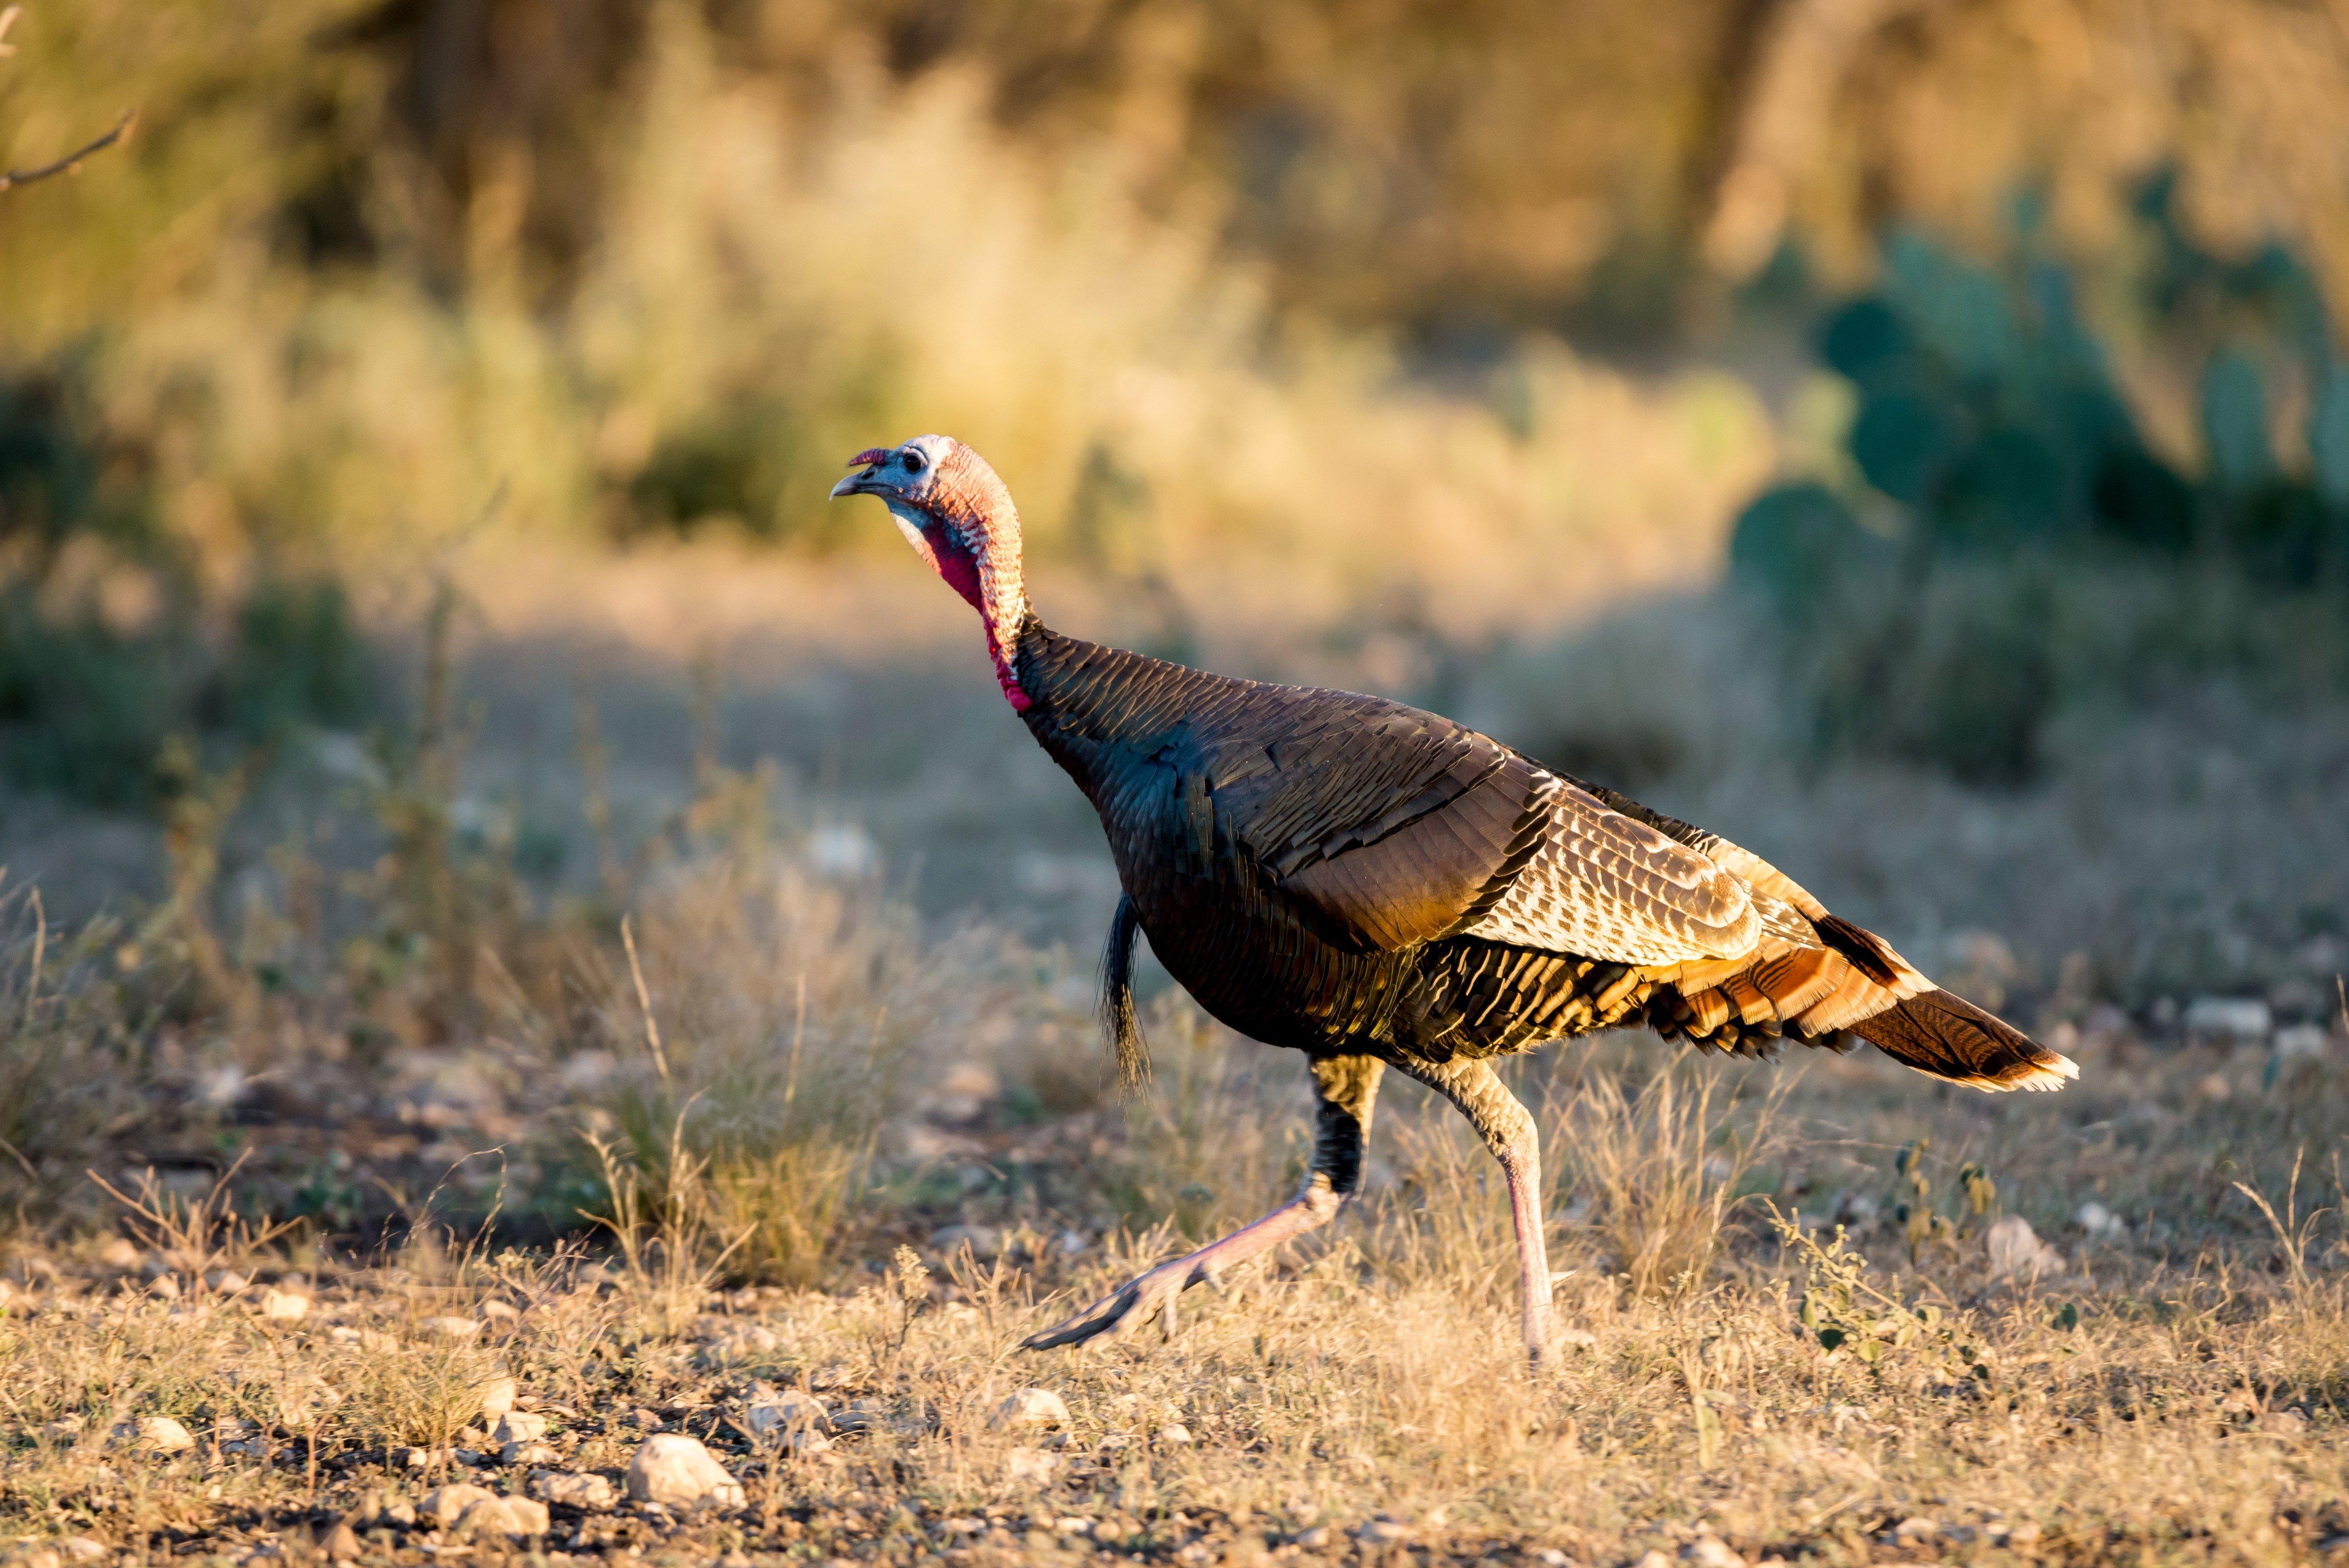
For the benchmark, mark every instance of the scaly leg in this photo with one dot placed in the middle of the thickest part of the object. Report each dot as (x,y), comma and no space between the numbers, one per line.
(1508,1129)
(1347,1088)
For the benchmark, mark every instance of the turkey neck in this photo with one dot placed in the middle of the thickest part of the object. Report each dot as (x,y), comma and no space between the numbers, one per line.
(1103,712)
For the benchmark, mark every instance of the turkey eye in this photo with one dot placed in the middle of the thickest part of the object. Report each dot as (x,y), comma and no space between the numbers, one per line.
(913,462)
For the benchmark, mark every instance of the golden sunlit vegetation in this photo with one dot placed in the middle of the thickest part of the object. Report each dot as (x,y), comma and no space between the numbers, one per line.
(523,926)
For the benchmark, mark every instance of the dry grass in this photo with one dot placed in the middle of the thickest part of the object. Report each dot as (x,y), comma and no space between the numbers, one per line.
(2171,1394)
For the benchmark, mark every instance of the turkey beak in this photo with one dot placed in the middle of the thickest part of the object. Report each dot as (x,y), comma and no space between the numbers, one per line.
(855,484)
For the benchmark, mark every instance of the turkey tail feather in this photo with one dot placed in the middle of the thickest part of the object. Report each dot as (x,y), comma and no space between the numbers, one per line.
(1946,1036)
(1117,1001)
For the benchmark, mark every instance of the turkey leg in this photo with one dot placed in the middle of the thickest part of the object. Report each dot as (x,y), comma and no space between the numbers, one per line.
(1508,1129)
(1346,1088)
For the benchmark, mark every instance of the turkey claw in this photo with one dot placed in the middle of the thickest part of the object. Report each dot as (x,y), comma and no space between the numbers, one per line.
(1122,1311)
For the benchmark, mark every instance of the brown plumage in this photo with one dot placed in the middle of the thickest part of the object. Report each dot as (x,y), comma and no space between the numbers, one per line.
(1380,887)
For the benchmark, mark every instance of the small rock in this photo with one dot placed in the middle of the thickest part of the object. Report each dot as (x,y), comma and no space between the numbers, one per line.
(445,1505)
(498,1397)
(1315,1539)
(1654,1559)
(62,1431)
(2023,1534)
(787,1412)
(228,1282)
(984,1241)
(518,1427)
(503,1516)
(2228,1018)
(154,1435)
(1071,1243)
(119,1253)
(584,1491)
(676,1471)
(1577,1338)
(284,1305)
(2283,1423)
(1908,1531)
(452,1328)
(1384,1530)
(1031,1410)
(498,1311)
(82,1548)
(2099,1220)
(1710,1551)
(1036,1467)
(1175,1432)
(165,1287)
(2017,1253)
(342,1542)
(2300,1042)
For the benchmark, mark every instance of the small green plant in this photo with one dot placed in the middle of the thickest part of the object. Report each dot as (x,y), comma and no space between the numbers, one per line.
(1852,1316)
(1923,1224)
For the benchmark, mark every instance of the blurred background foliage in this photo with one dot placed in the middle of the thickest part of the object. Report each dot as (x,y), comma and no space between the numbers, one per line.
(1394,295)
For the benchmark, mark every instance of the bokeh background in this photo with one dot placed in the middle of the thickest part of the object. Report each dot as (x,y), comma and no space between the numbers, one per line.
(1911,439)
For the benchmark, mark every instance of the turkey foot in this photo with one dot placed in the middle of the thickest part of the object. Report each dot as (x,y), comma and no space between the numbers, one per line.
(1132,1303)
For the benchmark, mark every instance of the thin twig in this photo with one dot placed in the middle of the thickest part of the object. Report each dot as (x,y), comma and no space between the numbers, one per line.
(71,160)
(40,952)
(12,1152)
(645,1000)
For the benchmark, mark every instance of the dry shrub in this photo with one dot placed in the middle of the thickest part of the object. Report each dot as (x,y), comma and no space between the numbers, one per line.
(420,1387)
(777,1019)
(1662,1163)
(61,1081)
(1221,1134)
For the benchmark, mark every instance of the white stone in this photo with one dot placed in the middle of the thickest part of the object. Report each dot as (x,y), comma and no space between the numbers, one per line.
(452,1328)
(1710,1551)
(82,1548)
(1031,1410)
(2300,1042)
(154,1435)
(518,1427)
(1175,1432)
(503,1516)
(284,1305)
(498,1397)
(676,1471)
(228,1282)
(2017,1253)
(445,1505)
(788,1411)
(2228,1018)
(984,1241)
(584,1491)
(1034,1466)
(2099,1220)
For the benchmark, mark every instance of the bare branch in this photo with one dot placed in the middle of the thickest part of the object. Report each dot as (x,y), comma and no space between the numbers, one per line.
(122,128)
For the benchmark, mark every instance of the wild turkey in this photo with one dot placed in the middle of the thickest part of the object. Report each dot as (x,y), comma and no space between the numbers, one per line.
(1379,887)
